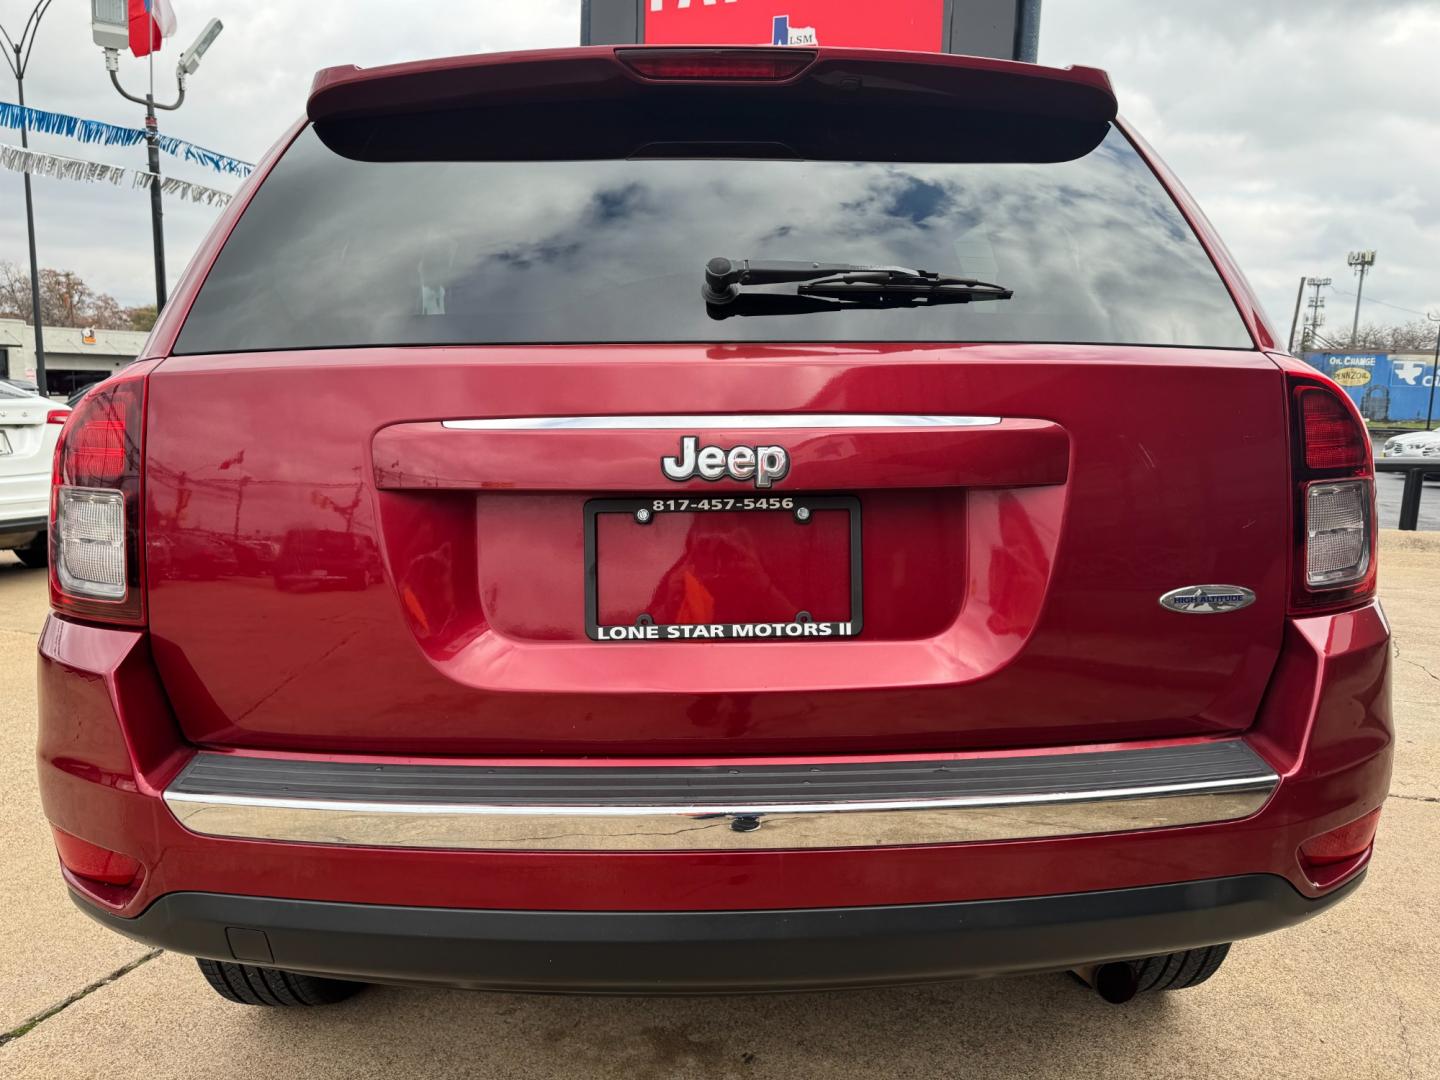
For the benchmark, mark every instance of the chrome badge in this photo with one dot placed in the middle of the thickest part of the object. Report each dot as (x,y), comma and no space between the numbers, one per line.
(762,464)
(1207,599)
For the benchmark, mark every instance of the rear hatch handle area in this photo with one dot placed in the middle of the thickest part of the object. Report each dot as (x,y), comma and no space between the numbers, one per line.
(823,451)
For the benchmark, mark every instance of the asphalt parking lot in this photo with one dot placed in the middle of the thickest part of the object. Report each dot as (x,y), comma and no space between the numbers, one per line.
(1352,994)
(1388,489)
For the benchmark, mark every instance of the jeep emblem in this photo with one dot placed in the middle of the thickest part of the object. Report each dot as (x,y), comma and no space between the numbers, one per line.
(762,464)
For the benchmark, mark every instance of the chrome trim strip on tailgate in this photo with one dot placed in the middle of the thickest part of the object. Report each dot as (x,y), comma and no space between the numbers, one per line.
(777,421)
(503,808)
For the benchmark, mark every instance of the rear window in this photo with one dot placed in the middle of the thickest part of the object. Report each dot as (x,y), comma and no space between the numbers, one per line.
(334,251)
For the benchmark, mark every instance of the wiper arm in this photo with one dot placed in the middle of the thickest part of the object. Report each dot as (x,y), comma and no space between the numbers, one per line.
(844,281)
(789,303)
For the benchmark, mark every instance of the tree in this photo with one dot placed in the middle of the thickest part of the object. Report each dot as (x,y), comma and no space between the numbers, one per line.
(65,300)
(142,317)
(1412,337)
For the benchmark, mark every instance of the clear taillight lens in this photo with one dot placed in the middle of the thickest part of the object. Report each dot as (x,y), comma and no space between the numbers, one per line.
(96,571)
(1333,476)
(90,542)
(1337,533)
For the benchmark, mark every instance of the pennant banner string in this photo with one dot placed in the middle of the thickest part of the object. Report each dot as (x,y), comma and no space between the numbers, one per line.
(19,159)
(95,131)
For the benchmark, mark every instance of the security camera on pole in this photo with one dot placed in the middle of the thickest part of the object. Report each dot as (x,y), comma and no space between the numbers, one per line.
(141,26)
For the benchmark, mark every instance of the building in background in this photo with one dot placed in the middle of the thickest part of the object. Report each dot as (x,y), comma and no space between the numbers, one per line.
(74,357)
(1385,386)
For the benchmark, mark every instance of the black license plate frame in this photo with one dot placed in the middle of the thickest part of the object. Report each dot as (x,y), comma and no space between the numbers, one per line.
(738,632)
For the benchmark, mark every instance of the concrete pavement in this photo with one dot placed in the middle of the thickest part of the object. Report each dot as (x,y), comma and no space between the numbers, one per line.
(1351,994)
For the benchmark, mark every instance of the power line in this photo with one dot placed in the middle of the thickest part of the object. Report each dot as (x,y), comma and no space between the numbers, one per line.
(1374,300)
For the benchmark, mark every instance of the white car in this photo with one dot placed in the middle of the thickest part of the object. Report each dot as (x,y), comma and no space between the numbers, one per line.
(29,426)
(1413,444)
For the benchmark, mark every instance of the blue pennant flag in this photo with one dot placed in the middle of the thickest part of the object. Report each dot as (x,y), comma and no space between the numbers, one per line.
(95,131)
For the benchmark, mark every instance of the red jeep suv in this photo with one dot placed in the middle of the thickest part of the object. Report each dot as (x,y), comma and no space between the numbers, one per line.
(687,520)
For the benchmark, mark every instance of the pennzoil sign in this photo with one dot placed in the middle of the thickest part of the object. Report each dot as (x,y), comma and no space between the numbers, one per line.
(1351,370)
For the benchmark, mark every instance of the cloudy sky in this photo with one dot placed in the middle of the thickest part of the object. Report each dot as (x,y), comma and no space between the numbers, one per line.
(1306,128)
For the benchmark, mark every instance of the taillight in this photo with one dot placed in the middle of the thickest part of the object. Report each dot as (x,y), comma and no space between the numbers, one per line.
(1330,434)
(1334,482)
(57,416)
(95,564)
(764,65)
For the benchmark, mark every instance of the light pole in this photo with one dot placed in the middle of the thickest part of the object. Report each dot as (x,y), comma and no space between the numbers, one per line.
(1362,261)
(1434,370)
(22,48)
(110,26)
(1317,309)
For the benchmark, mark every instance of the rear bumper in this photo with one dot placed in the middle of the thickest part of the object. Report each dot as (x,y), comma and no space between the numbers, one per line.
(730,807)
(718,951)
(109,749)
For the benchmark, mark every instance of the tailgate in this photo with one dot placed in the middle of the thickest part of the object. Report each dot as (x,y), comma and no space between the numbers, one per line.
(335,564)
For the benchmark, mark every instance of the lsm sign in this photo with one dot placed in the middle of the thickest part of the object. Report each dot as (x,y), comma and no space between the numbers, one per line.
(1007,29)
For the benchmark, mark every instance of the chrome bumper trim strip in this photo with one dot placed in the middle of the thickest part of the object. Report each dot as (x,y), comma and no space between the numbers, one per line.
(729,422)
(720,828)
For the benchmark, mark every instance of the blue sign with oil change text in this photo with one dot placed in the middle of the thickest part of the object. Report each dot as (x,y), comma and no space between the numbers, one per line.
(1384,386)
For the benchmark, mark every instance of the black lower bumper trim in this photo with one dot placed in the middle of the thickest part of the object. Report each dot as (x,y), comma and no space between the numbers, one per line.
(722,951)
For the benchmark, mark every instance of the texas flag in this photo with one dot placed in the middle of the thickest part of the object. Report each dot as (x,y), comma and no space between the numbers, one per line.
(150,21)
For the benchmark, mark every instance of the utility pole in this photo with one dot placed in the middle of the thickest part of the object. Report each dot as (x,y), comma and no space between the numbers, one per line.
(1295,319)
(1317,309)
(22,49)
(152,147)
(1434,371)
(109,25)
(1362,261)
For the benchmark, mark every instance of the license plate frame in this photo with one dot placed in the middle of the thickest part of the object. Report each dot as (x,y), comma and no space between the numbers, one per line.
(5,450)
(700,503)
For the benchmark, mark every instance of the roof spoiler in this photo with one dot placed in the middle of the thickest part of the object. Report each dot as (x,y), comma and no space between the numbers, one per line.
(596,73)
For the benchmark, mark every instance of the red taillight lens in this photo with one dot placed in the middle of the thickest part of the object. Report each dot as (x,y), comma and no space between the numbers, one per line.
(95,565)
(1332,437)
(92,862)
(96,452)
(57,416)
(772,65)
(1334,510)
(1340,845)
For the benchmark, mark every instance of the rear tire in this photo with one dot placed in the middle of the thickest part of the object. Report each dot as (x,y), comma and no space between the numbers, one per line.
(1120,980)
(35,554)
(246,984)
(1179,970)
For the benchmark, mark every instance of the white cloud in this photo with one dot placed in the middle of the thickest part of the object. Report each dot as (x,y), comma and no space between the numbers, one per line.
(1305,129)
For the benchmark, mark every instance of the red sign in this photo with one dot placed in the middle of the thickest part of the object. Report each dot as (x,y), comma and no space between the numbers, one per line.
(869,24)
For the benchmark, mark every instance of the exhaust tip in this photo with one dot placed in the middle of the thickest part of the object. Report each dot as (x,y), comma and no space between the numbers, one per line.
(1115,982)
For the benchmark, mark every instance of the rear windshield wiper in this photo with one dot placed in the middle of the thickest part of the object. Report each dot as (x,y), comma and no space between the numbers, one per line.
(825,286)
